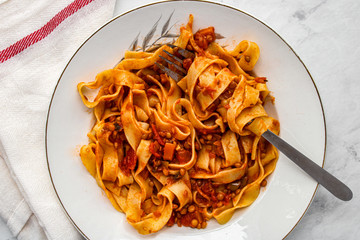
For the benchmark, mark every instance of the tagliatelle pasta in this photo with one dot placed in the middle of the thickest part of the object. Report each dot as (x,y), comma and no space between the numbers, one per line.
(167,152)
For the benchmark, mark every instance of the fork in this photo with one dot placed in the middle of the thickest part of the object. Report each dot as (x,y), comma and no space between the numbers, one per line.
(177,76)
(331,183)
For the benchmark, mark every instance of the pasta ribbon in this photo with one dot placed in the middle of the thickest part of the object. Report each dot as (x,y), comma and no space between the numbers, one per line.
(248,54)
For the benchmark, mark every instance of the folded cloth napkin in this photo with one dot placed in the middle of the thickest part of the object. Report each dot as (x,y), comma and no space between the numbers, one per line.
(37,40)
(20,219)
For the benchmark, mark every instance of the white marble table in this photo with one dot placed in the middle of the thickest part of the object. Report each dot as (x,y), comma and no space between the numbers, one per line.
(325,35)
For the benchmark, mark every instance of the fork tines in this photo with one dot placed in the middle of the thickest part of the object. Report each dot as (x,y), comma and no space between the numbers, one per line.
(177,64)
(183,52)
(174,75)
(174,57)
(173,64)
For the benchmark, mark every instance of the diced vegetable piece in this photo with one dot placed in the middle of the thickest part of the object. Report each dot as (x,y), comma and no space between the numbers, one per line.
(169,150)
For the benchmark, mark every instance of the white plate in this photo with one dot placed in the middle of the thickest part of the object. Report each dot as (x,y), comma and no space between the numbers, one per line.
(298,107)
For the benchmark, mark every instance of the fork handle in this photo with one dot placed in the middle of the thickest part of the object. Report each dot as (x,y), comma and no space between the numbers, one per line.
(331,183)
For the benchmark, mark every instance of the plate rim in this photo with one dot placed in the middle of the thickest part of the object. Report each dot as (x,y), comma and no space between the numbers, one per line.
(162,2)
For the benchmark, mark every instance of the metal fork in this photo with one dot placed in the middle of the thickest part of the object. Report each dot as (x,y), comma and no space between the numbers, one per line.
(177,76)
(331,183)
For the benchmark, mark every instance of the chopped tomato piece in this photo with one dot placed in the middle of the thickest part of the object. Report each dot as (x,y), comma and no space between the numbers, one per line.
(129,162)
(169,150)
(212,155)
(204,36)
(171,221)
(183,156)
(209,31)
(187,63)
(153,148)
(186,220)
(156,135)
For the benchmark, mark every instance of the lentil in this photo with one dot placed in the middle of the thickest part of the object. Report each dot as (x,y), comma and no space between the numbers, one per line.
(197,146)
(151,183)
(225,102)
(204,224)
(182,171)
(263,183)
(191,208)
(220,196)
(194,223)
(183,211)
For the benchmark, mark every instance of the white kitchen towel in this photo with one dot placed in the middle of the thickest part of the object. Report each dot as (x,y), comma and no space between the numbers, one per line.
(37,40)
(14,209)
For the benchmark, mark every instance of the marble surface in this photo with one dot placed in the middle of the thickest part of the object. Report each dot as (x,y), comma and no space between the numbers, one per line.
(324,34)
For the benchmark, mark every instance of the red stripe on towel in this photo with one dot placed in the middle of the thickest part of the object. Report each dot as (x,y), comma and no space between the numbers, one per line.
(43,32)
